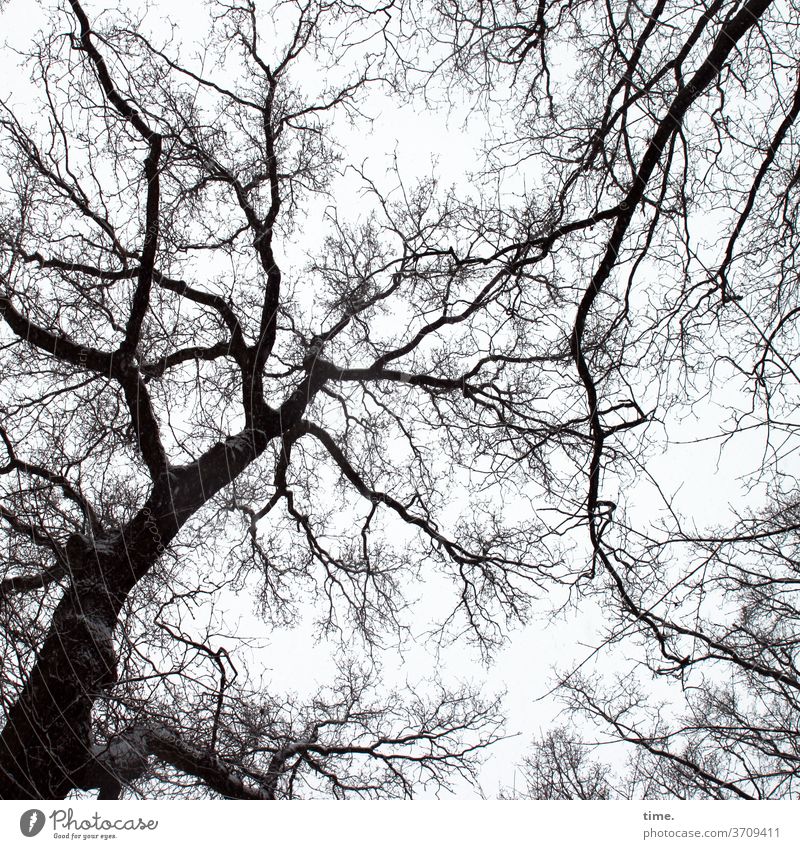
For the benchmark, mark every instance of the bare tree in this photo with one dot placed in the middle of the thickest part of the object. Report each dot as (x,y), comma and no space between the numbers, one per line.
(561,767)
(167,394)
(666,138)
(186,416)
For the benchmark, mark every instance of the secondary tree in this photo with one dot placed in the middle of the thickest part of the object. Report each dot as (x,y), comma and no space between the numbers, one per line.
(218,378)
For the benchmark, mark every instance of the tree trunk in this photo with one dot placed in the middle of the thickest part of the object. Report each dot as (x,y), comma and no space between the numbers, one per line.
(46,744)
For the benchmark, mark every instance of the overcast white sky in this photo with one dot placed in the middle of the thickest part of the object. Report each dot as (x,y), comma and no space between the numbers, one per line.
(703,488)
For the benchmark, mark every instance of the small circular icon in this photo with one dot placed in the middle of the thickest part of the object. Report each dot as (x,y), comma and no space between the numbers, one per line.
(31,822)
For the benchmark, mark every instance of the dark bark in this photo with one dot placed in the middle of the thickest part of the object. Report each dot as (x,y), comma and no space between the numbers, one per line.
(46,744)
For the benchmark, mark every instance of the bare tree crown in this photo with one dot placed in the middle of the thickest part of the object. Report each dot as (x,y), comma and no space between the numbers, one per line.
(216,379)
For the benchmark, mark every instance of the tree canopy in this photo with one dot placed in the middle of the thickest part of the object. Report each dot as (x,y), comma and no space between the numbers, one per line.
(241,362)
